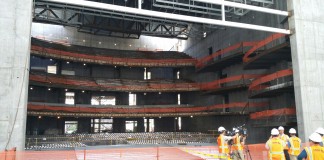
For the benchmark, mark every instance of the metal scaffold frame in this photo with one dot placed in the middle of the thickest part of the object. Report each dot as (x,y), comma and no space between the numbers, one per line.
(185,18)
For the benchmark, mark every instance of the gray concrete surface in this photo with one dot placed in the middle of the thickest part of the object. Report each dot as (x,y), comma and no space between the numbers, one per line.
(307,46)
(15,22)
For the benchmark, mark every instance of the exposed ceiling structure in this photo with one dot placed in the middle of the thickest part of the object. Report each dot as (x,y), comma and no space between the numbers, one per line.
(118,23)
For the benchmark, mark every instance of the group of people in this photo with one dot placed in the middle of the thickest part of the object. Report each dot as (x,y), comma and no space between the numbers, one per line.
(283,147)
(236,148)
(279,145)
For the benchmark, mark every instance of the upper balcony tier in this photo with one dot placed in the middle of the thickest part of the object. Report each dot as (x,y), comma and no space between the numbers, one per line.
(272,84)
(78,110)
(110,56)
(125,85)
(103,84)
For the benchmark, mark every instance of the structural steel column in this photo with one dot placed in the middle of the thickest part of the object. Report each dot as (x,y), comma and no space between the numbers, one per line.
(307,46)
(15,22)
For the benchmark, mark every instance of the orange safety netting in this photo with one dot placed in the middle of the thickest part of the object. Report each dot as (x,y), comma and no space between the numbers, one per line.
(271,113)
(67,81)
(257,83)
(93,85)
(217,83)
(203,61)
(110,60)
(261,44)
(175,109)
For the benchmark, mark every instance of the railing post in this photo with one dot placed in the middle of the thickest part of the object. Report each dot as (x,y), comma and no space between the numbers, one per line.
(157,153)
(84,154)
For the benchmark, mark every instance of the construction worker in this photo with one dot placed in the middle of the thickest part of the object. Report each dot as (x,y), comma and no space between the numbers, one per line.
(320,131)
(294,144)
(238,146)
(275,146)
(222,141)
(285,138)
(315,151)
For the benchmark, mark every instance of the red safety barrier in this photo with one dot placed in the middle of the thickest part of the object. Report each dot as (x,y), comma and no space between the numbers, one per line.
(123,110)
(8,155)
(217,83)
(271,113)
(203,61)
(141,86)
(38,50)
(257,83)
(261,44)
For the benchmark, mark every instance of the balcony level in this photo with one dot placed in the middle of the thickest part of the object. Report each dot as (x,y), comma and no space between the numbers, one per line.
(272,85)
(110,56)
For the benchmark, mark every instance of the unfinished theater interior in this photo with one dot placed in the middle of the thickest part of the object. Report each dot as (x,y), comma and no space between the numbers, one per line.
(154,79)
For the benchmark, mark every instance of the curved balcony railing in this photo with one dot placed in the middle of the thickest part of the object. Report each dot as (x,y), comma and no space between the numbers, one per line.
(122,109)
(260,83)
(260,44)
(113,57)
(136,85)
(273,113)
(239,47)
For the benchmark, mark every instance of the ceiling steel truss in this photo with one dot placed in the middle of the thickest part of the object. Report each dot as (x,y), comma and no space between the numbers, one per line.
(162,18)
(108,23)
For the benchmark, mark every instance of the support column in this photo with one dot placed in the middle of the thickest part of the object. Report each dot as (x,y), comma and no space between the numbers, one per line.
(307,47)
(15,22)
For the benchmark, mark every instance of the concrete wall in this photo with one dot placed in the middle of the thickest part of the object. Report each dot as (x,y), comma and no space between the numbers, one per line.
(307,24)
(15,20)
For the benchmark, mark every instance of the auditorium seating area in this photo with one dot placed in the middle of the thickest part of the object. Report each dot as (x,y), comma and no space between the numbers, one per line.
(39,142)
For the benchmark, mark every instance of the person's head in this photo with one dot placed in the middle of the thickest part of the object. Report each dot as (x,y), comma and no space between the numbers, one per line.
(292,132)
(221,129)
(274,132)
(315,138)
(320,131)
(281,129)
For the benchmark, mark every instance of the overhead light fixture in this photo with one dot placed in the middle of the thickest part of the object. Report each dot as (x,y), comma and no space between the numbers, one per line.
(205,34)
(49,89)
(51,59)
(84,64)
(160,117)
(115,44)
(39,117)
(176,118)
(82,91)
(191,116)
(68,62)
(66,90)
(31,88)
(115,66)
(58,117)
(130,45)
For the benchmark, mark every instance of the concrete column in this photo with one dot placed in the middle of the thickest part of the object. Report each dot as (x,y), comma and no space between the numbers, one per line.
(307,45)
(15,22)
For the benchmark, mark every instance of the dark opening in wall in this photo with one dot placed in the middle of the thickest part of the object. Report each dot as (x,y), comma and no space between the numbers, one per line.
(210,50)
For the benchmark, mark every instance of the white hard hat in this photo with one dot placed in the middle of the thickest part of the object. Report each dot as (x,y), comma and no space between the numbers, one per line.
(281,128)
(274,131)
(292,131)
(221,129)
(320,131)
(315,137)
(236,131)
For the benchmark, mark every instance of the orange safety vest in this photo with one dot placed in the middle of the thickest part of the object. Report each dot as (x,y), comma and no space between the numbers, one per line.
(285,138)
(315,152)
(222,145)
(237,146)
(294,146)
(276,147)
